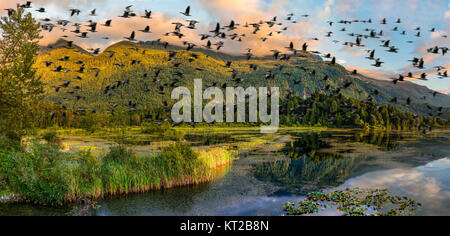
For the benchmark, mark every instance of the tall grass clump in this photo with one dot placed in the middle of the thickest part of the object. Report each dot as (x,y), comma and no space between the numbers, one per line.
(45,175)
(3,186)
(176,165)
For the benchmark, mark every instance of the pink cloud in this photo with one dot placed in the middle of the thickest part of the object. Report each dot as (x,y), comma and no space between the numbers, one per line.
(219,10)
(374,74)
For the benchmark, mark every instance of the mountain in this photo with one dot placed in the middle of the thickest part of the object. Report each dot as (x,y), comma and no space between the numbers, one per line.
(214,54)
(60,43)
(136,82)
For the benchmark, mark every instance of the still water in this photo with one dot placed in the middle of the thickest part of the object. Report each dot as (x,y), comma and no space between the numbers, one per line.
(261,181)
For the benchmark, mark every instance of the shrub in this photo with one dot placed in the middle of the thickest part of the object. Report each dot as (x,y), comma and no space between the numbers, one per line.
(165,131)
(92,122)
(119,154)
(40,175)
(10,141)
(51,137)
(179,151)
(178,160)
(151,128)
(3,176)
(45,175)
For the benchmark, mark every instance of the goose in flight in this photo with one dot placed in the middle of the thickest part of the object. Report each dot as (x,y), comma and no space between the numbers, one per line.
(232,26)
(10,12)
(132,36)
(146,30)
(26,5)
(187,12)
(107,23)
(148,14)
(75,12)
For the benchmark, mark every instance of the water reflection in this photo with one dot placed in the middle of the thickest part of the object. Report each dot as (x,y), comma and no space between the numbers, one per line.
(305,174)
(170,202)
(322,161)
(208,139)
(429,184)
(383,140)
(311,144)
(259,183)
(306,144)
(19,209)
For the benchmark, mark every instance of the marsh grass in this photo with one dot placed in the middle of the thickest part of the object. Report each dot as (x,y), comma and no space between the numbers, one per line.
(4,192)
(44,175)
(254,142)
(163,131)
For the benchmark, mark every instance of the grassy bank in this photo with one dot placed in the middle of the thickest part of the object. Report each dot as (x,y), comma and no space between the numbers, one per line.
(45,175)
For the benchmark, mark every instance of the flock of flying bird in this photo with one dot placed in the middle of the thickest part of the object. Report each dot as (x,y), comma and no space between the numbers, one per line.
(220,33)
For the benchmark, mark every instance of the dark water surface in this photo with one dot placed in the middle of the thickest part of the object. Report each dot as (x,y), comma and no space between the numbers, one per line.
(260,182)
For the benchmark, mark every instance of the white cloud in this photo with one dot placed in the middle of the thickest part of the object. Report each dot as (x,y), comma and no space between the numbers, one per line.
(424,184)
(447,91)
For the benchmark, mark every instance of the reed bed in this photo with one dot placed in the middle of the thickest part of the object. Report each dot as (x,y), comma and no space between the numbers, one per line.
(44,175)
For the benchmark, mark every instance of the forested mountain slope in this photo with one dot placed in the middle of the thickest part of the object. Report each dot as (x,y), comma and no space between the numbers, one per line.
(144,74)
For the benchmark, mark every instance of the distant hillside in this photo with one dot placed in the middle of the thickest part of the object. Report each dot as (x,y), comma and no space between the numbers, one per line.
(409,89)
(215,54)
(136,82)
(61,43)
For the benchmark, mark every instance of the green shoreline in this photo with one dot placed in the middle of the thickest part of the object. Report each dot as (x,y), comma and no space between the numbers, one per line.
(137,129)
(46,176)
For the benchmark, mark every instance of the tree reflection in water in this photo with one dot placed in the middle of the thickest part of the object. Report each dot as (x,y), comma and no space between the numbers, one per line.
(310,167)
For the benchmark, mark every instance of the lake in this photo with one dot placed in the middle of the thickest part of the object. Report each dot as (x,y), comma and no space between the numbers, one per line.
(262,179)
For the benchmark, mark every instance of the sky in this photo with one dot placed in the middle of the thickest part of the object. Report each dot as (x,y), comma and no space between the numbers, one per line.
(426,14)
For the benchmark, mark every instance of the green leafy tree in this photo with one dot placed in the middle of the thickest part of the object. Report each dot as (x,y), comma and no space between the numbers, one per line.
(20,88)
(357,121)
(334,107)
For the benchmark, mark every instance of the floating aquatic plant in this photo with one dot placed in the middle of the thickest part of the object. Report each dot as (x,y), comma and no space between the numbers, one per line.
(84,207)
(355,202)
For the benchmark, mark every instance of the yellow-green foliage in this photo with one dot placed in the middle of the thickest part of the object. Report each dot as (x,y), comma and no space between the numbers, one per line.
(257,141)
(215,157)
(110,73)
(20,88)
(144,90)
(162,131)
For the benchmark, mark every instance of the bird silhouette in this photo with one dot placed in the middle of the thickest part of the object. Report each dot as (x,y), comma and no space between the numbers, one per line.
(187,11)
(132,37)
(262,31)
